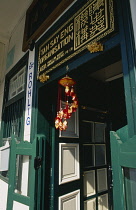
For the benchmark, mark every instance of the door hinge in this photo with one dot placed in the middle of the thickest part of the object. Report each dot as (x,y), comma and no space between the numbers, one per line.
(37,162)
(110,177)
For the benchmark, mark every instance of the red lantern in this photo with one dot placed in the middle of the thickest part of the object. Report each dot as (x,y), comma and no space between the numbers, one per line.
(71,103)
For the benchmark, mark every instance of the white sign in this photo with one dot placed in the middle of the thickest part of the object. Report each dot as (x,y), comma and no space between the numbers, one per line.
(29,94)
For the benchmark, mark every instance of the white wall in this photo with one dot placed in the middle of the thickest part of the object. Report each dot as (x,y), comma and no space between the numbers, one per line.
(3,51)
(3,195)
(16,41)
(2,61)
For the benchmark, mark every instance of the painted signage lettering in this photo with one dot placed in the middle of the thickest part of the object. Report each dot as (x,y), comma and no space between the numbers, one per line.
(92,23)
(29,95)
(29,91)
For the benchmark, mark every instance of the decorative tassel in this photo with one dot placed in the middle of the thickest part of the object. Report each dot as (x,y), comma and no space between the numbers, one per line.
(71,103)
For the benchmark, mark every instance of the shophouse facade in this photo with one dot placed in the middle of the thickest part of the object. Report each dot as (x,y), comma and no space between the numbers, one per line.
(68,112)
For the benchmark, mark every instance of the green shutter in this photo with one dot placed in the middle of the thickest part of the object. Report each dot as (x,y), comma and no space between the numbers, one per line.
(33,150)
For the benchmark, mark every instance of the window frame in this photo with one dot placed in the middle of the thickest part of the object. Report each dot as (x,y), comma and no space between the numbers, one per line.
(8,102)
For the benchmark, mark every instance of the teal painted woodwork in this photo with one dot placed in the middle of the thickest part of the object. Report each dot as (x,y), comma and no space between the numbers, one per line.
(123,153)
(35,177)
(9,113)
(128,62)
(123,141)
(118,199)
(40,185)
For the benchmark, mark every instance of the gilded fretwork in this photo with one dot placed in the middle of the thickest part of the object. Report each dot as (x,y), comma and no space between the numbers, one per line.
(43,77)
(95,47)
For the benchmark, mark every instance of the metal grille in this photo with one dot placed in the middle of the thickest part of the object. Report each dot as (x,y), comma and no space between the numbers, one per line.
(13,119)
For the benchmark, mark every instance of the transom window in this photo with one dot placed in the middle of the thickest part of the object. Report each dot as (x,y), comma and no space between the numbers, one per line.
(17,83)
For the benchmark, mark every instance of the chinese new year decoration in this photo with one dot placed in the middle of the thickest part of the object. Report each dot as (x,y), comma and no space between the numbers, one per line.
(71,102)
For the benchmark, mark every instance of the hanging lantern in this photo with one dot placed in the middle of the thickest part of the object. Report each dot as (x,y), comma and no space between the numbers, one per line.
(71,102)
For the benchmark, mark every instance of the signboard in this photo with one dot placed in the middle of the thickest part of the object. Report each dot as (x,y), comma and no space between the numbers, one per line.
(29,94)
(91,23)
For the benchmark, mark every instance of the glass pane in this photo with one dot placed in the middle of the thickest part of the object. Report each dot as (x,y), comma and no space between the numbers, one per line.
(22,175)
(90,204)
(89,183)
(87,131)
(101,179)
(99,132)
(88,155)
(130,188)
(103,202)
(100,155)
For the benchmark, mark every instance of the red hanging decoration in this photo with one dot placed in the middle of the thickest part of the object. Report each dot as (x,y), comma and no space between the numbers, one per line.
(71,103)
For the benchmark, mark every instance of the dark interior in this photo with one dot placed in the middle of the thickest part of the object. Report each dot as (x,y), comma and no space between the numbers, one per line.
(95,93)
(107,97)
(106,94)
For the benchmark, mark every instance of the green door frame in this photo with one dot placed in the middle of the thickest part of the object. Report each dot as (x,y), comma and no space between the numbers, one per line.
(123,154)
(128,62)
(123,141)
(22,148)
(36,177)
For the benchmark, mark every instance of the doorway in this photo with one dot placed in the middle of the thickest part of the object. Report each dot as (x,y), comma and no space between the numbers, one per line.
(79,167)
(102,108)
